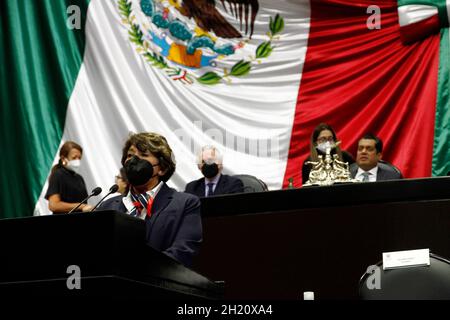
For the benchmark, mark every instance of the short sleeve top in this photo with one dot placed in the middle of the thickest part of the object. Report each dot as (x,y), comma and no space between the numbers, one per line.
(69,185)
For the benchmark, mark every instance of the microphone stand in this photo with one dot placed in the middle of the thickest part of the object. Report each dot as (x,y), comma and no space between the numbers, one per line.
(94,192)
(113,189)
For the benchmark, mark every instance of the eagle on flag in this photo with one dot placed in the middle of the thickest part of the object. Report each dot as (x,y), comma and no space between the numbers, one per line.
(209,18)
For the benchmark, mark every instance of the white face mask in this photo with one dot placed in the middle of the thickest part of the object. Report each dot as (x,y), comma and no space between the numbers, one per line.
(73,165)
(325,145)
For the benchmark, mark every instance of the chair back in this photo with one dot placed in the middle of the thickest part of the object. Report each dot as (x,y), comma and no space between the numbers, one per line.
(388,166)
(411,283)
(251,183)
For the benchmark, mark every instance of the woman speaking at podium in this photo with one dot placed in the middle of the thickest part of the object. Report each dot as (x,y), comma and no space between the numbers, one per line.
(66,187)
(173,221)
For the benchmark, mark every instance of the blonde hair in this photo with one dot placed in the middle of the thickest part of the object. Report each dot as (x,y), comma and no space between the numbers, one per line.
(217,154)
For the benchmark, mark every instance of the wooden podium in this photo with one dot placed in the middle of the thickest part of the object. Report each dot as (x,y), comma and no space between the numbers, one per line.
(108,248)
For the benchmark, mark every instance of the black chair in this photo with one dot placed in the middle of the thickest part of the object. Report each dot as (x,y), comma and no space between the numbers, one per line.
(251,183)
(411,283)
(388,166)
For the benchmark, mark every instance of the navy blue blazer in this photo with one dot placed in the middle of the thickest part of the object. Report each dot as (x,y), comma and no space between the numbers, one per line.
(175,226)
(226,184)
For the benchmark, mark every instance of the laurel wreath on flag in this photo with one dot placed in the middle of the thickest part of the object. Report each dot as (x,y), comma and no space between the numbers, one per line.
(239,69)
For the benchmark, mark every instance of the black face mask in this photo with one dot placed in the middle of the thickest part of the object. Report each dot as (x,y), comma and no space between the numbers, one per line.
(138,171)
(210,170)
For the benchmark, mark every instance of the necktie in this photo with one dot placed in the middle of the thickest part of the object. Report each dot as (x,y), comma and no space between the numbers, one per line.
(210,189)
(141,201)
(365,176)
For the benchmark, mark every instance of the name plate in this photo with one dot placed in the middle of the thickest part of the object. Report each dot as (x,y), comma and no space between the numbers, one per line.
(408,258)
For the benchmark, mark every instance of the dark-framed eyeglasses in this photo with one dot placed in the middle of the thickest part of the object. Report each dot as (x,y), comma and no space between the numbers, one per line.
(325,139)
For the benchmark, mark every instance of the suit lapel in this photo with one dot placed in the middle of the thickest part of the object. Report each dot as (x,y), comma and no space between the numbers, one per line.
(162,200)
(121,206)
(200,191)
(380,174)
(219,187)
(353,171)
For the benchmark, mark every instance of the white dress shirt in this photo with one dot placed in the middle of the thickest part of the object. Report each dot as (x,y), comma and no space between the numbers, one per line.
(128,201)
(372,174)
(214,181)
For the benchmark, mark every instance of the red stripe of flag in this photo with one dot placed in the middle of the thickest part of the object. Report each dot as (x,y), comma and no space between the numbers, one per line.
(360,80)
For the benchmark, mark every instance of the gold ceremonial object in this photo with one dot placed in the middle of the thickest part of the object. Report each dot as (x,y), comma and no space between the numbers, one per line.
(328,171)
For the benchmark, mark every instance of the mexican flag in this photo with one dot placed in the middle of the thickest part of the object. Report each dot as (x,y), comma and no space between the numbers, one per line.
(253,77)
(391,80)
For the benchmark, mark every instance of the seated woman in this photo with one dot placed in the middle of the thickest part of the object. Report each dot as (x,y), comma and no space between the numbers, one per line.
(172,219)
(322,137)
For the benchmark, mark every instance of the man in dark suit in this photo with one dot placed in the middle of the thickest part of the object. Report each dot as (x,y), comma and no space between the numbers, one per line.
(213,181)
(173,220)
(368,167)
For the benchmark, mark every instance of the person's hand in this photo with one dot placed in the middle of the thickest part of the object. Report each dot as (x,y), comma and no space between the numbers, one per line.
(87,208)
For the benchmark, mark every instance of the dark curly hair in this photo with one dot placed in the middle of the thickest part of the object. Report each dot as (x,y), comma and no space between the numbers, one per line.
(157,145)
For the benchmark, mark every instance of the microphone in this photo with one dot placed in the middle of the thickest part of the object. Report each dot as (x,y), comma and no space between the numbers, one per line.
(94,192)
(113,189)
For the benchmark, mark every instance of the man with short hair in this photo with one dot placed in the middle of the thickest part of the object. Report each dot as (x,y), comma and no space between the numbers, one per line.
(368,167)
(213,181)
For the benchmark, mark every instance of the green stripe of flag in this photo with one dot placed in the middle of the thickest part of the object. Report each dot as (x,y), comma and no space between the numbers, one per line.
(441,150)
(40,61)
(441,5)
